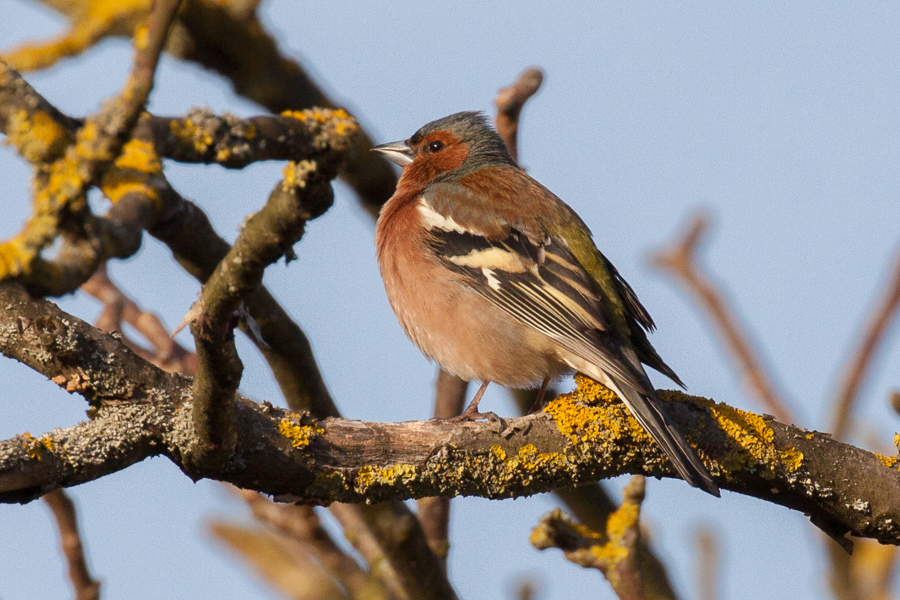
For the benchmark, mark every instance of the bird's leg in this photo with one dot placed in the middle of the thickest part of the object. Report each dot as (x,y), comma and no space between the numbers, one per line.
(539,400)
(471,413)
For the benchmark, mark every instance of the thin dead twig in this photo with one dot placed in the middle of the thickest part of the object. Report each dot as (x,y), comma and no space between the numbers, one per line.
(301,524)
(858,366)
(680,262)
(118,308)
(63,509)
(708,564)
(510,101)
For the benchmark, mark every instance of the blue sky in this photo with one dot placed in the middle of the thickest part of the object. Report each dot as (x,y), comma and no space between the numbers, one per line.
(780,118)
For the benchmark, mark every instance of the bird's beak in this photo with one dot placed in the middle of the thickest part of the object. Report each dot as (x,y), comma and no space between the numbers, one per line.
(397,152)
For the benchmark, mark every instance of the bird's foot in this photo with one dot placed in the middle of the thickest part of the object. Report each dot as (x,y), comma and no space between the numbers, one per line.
(472,414)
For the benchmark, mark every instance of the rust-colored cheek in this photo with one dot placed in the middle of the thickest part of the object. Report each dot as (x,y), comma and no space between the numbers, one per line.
(425,168)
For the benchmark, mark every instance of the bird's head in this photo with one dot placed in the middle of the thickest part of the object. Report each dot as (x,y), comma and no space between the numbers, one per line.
(447,149)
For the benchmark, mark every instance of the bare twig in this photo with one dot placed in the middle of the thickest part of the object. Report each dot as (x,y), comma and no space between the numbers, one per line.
(614,551)
(510,101)
(167,354)
(86,587)
(708,564)
(858,366)
(526,590)
(301,524)
(361,536)
(680,262)
(281,562)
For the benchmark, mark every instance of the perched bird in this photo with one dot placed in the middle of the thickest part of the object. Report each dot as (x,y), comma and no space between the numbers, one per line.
(497,279)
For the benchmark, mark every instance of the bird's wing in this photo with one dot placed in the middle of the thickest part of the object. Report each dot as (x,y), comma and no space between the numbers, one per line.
(633,306)
(537,281)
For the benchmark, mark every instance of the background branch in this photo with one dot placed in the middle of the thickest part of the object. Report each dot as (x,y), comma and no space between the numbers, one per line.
(63,509)
(614,551)
(230,39)
(680,262)
(858,366)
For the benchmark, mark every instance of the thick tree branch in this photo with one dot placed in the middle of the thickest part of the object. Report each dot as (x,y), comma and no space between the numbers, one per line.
(581,437)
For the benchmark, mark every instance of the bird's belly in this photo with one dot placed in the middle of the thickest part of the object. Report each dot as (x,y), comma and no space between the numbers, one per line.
(473,339)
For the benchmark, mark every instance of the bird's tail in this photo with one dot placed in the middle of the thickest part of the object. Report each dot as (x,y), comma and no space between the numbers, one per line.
(647,409)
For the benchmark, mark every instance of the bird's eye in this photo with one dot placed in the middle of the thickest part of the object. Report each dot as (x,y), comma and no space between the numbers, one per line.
(436,146)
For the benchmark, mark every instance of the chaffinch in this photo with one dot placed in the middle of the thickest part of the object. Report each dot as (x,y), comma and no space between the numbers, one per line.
(497,279)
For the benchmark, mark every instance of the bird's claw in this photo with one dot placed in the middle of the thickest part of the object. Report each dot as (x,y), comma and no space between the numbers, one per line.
(471,415)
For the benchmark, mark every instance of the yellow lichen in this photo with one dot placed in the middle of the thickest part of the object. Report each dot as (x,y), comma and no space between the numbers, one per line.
(296,174)
(365,478)
(752,436)
(623,519)
(499,452)
(141,37)
(300,435)
(38,137)
(791,458)
(139,155)
(390,475)
(92,21)
(317,114)
(189,134)
(35,447)
(135,171)
(592,414)
(888,461)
